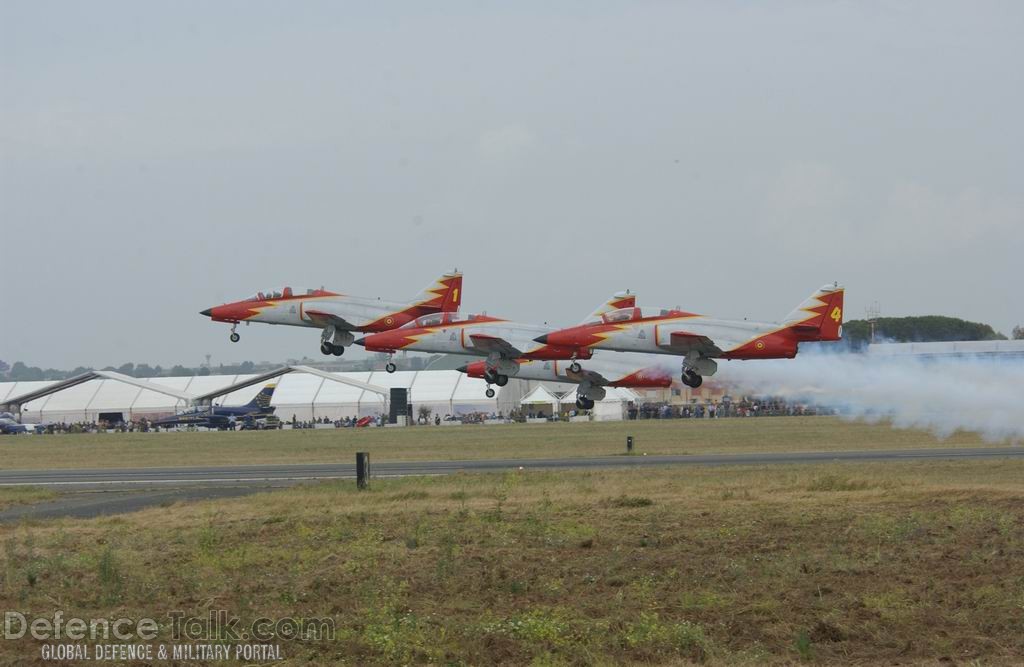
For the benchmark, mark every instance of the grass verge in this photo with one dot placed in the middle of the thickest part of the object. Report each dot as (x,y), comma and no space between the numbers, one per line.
(680,436)
(912,562)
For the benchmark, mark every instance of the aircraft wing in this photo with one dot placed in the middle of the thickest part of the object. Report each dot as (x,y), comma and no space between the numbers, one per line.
(323,314)
(682,342)
(490,344)
(585,375)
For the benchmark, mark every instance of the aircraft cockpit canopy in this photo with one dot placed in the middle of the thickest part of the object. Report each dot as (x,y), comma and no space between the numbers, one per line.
(621,315)
(288,293)
(437,319)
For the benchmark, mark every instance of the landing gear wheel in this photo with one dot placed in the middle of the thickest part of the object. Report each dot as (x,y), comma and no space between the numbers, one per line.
(490,377)
(235,337)
(390,367)
(501,380)
(691,379)
(489,393)
(337,350)
(584,403)
(326,348)
(575,367)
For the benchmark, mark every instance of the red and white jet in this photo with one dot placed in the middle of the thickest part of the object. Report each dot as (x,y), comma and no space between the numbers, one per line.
(338,315)
(701,339)
(636,371)
(506,345)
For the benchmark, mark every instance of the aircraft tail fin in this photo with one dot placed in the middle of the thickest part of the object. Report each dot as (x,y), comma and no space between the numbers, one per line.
(262,399)
(819,316)
(444,295)
(619,300)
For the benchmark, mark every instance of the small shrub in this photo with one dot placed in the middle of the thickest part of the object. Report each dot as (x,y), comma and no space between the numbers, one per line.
(832,483)
(803,646)
(629,501)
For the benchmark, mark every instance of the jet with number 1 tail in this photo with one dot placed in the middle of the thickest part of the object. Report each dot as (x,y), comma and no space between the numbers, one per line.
(700,339)
(338,315)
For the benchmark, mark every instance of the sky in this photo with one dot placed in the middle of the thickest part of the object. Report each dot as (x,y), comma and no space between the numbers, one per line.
(158,158)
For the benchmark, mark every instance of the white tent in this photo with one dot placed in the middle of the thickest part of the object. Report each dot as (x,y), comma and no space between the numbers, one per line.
(301,394)
(540,401)
(610,408)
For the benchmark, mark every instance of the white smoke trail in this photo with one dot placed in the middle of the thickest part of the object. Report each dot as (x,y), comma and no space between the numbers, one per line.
(985,395)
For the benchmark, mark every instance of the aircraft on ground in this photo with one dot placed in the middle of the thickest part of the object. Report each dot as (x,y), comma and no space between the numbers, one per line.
(620,370)
(701,339)
(338,315)
(219,416)
(10,426)
(505,344)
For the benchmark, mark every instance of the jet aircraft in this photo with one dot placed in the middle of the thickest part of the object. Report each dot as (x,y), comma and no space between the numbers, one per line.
(338,315)
(505,344)
(10,426)
(700,340)
(219,416)
(618,370)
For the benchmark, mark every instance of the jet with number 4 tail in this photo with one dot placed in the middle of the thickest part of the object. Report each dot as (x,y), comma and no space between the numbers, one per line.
(338,315)
(700,339)
(505,345)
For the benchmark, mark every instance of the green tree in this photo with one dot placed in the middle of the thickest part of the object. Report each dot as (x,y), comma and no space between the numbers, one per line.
(22,373)
(144,371)
(177,370)
(1018,333)
(126,369)
(927,328)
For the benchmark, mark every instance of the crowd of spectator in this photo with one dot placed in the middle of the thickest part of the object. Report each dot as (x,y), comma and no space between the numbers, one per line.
(744,407)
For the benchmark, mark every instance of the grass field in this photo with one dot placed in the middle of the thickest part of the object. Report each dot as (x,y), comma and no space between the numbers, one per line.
(898,563)
(684,436)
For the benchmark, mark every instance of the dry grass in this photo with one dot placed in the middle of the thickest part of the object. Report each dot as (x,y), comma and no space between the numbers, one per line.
(883,563)
(689,436)
(20,495)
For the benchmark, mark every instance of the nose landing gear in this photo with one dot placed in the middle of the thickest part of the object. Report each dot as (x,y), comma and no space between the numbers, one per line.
(234,335)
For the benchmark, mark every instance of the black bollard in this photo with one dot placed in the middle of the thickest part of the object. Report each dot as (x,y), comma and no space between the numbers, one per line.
(629,444)
(363,470)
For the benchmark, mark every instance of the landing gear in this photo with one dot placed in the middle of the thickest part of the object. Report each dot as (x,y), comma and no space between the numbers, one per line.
(493,377)
(331,348)
(489,393)
(234,335)
(691,379)
(584,403)
(390,367)
(575,367)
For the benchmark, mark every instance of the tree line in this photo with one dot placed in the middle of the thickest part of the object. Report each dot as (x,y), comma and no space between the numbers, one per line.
(21,372)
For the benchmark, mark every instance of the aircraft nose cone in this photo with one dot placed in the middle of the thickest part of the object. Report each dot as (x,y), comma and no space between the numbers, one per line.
(206,313)
(360,342)
(463,368)
(543,340)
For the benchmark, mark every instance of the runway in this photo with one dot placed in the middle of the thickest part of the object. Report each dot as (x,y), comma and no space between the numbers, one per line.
(93,492)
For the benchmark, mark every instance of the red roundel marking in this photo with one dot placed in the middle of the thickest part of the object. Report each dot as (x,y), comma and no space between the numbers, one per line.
(389,321)
(759,344)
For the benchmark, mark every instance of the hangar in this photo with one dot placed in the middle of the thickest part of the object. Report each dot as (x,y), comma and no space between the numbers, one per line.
(307,394)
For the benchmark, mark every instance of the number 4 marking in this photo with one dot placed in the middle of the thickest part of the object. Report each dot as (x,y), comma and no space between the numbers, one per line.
(836,314)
